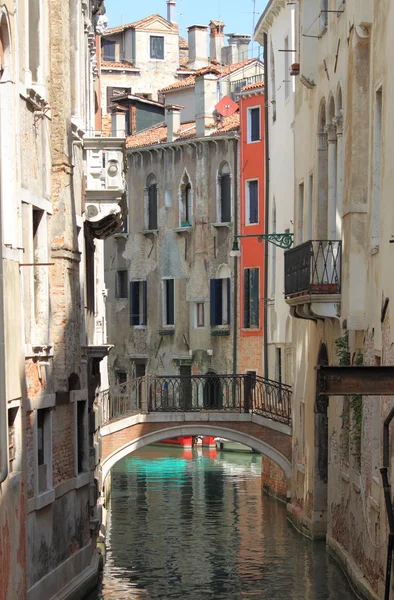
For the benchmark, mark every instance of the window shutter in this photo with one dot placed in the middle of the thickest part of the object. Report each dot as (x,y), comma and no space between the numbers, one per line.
(134,303)
(225,199)
(246,299)
(253,202)
(229,301)
(255,124)
(152,207)
(213,301)
(170,302)
(254,297)
(145,302)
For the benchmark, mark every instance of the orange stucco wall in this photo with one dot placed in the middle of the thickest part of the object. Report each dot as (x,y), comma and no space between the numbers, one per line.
(252,251)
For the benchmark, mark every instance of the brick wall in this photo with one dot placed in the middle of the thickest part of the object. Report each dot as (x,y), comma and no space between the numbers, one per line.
(273,479)
(63,443)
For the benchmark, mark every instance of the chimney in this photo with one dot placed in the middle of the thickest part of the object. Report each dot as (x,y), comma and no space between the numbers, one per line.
(241,41)
(230,54)
(173,121)
(206,98)
(216,40)
(198,46)
(171,11)
(118,123)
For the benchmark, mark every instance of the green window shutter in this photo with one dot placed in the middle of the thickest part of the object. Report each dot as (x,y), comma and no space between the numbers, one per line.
(246,298)
(254,297)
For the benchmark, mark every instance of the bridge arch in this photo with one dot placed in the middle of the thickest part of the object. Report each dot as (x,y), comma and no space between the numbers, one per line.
(193,430)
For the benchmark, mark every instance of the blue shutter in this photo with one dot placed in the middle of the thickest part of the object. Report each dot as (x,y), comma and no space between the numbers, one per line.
(253,202)
(255,124)
(134,303)
(254,297)
(212,301)
(170,302)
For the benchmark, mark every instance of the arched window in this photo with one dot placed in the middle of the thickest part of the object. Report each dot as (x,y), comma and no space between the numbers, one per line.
(151,202)
(224,193)
(322,174)
(186,201)
(332,172)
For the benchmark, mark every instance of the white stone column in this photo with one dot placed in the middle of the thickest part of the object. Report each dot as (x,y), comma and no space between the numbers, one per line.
(332,182)
(322,195)
(339,126)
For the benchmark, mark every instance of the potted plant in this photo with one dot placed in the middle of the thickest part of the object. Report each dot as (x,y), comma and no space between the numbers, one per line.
(295,69)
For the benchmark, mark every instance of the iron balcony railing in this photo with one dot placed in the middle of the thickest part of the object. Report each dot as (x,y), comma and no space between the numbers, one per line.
(198,393)
(235,87)
(313,268)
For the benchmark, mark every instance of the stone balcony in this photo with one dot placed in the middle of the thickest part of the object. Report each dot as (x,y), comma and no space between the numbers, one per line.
(106,206)
(313,279)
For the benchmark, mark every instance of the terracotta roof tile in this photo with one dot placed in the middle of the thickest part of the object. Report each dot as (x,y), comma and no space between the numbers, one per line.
(158,133)
(253,86)
(214,67)
(183,43)
(109,64)
(140,23)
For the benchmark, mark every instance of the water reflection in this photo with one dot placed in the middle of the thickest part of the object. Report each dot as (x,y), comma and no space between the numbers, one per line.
(188,526)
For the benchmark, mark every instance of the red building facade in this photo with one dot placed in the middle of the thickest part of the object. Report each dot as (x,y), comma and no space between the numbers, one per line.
(251,221)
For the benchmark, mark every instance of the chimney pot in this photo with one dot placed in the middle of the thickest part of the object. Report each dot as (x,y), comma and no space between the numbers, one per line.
(198,46)
(173,121)
(171,11)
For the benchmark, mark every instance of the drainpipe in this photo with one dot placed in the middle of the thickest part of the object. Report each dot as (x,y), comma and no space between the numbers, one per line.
(266,208)
(387,498)
(3,405)
(235,310)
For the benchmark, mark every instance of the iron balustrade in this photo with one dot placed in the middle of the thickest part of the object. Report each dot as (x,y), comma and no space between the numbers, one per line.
(242,393)
(313,267)
(235,87)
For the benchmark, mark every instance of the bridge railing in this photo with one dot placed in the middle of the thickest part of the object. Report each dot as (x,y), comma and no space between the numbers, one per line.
(242,393)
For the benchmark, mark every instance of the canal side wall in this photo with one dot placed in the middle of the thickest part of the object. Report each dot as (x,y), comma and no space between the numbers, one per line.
(273,480)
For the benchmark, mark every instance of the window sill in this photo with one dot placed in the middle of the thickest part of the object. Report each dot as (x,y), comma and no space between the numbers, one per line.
(121,236)
(169,331)
(186,229)
(220,330)
(82,479)
(121,297)
(253,142)
(323,31)
(150,231)
(40,501)
(224,224)
(139,326)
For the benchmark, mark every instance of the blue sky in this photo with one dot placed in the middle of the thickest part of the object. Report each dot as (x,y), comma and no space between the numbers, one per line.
(237,16)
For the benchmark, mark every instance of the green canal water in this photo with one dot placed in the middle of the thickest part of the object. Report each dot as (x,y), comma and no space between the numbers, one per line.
(195,525)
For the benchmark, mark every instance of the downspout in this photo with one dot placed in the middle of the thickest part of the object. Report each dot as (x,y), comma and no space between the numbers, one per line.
(235,303)
(3,405)
(266,209)
(387,498)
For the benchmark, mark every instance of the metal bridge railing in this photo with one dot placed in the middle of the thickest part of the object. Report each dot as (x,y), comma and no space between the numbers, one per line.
(198,393)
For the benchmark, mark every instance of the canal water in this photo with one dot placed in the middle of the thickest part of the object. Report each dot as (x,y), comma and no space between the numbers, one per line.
(186,525)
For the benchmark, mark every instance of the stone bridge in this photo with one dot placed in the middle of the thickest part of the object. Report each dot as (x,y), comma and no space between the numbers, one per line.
(250,410)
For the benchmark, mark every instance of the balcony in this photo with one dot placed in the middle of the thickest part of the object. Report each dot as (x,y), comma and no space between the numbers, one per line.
(106,207)
(313,279)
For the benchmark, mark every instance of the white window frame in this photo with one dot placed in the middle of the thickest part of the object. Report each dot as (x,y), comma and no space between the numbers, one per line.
(164,302)
(247,203)
(249,120)
(196,320)
(164,47)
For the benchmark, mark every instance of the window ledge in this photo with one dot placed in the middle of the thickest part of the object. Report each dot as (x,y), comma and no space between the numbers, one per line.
(185,229)
(41,500)
(82,479)
(220,330)
(139,326)
(121,236)
(169,331)
(150,231)
(121,297)
(224,224)
(323,31)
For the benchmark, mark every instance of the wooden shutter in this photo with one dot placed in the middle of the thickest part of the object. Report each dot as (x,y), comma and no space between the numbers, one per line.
(212,301)
(254,297)
(134,303)
(225,198)
(145,302)
(246,299)
(253,202)
(152,207)
(255,124)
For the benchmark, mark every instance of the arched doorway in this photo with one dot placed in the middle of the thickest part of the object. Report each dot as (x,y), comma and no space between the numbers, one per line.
(321,450)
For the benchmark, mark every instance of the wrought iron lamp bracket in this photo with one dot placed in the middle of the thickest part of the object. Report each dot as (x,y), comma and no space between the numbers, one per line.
(282,240)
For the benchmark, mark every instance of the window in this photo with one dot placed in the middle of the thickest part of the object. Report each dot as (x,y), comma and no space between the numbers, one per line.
(35,37)
(220,301)
(40,254)
(186,201)
(81,436)
(273,253)
(121,284)
(200,315)
(323,14)
(254,124)
(251,298)
(377,170)
(300,214)
(12,439)
(108,50)
(252,201)
(310,207)
(138,303)
(224,194)
(151,203)
(168,302)
(157,47)
(287,68)
(120,377)
(44,448)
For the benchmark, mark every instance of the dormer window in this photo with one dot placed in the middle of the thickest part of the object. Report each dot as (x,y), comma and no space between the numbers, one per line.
(157,47)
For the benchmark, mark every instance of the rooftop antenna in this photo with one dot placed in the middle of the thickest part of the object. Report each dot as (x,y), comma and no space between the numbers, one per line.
(253,25)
